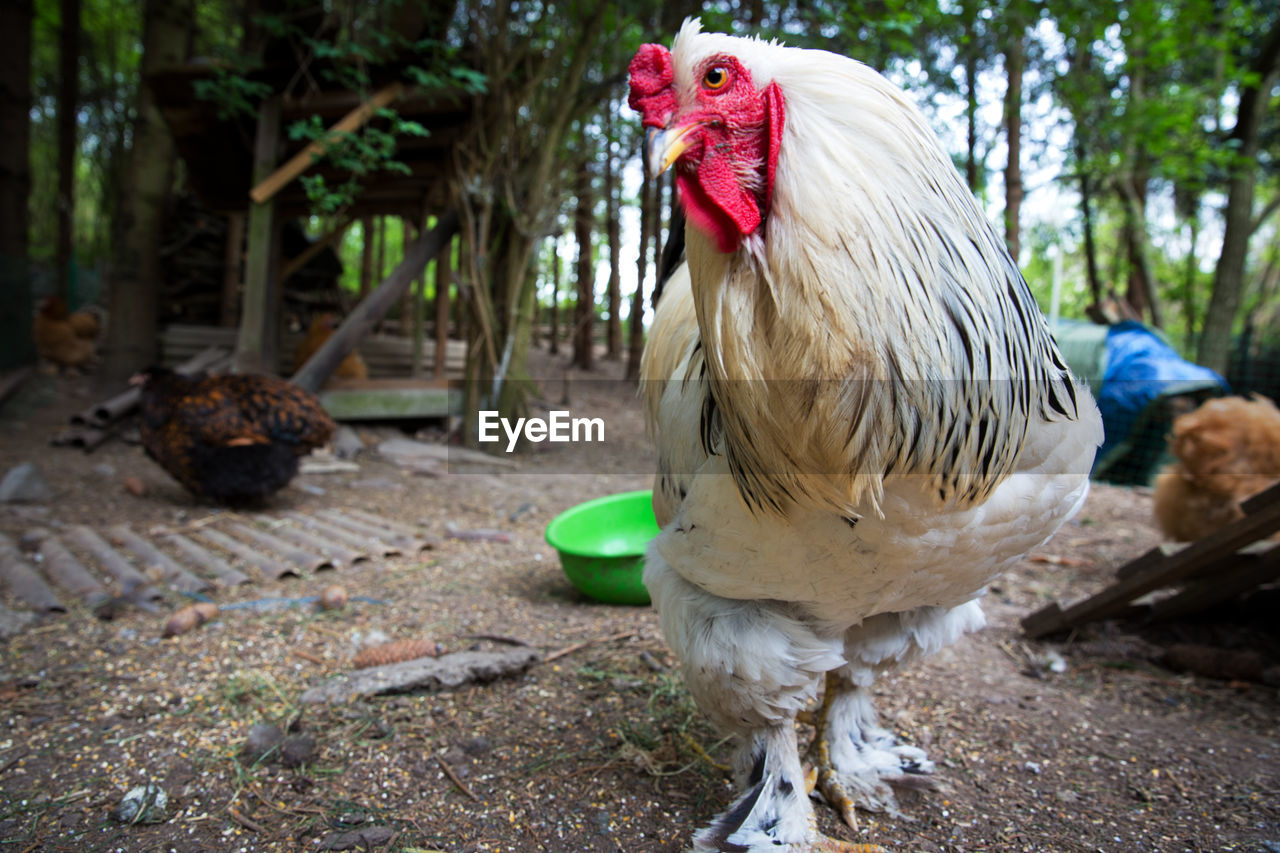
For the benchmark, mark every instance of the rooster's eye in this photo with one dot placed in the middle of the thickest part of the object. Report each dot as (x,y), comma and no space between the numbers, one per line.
(715,78)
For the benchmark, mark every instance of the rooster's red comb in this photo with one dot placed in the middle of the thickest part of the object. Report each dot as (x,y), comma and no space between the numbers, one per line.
(652,76)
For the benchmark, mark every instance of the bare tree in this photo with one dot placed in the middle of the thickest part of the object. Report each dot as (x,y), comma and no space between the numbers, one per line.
(131,334)
(1228,280)
(68,103)
(16,346)
(585,313)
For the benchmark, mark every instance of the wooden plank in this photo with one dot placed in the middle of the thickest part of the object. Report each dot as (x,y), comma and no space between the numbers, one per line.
(385,355)
(1250,571)
(1156,569)
(424,401)
(268,186)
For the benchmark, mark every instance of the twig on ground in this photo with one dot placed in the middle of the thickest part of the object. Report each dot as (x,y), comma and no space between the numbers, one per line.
(453,777)
(577,647)
(246,822)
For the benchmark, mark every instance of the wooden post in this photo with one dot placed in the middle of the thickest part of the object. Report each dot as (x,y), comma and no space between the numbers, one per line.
(444,276)
(257,314)
(230,305)
(318,368)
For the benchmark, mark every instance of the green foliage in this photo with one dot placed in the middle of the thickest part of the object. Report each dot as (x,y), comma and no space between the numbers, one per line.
(234,93)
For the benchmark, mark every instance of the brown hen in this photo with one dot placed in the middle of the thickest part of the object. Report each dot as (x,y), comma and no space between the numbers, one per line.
(229,438)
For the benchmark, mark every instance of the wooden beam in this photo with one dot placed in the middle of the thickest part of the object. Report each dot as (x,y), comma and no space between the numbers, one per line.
(265,188)
(321,365)
(252,347)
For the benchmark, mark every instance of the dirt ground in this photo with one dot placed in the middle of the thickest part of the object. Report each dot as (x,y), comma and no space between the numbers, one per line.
(1099,749)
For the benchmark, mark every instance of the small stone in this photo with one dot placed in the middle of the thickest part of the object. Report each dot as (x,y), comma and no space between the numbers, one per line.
(477,745)
(135,486)
(143,804)
(297,750)
(347,443)
(264,739)
(182,621)
(25,484)
(333,597)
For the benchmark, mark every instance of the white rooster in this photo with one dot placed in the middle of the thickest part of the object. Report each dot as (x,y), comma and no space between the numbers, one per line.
(861,416)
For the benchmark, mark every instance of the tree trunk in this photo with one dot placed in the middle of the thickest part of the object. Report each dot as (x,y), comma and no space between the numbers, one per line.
(16,346)
(1142,295)
(68,104)
(1228,279)
(614,337)
(1086,215)
(131,334)
(636,338)
(554,348)
(1014,60)
(1189,282)
(969,11)
(584,313)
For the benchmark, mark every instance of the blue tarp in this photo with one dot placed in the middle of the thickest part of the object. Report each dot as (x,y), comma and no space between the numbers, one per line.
(1141,367)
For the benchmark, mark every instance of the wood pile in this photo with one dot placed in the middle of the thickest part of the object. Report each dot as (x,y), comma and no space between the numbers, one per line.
(1172,581)
(193,257)
(386,356)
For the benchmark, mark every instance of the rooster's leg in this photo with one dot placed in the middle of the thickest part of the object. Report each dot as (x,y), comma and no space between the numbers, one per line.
(750,667)
(773,813)
(855,760)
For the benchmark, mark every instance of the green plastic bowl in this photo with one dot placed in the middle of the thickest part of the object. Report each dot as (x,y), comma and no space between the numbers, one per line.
(601,544)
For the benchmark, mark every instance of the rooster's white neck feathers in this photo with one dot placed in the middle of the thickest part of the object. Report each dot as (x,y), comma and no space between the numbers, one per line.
(875,326)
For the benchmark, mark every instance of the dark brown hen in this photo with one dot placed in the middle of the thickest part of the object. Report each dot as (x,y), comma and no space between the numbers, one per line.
(229,438)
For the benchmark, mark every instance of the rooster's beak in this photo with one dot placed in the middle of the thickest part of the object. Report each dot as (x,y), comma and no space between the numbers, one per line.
(664,146)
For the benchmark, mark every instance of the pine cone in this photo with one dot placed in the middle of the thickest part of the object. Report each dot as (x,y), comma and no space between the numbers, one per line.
(396,651)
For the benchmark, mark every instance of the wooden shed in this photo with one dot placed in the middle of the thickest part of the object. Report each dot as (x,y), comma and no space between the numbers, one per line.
(244,167)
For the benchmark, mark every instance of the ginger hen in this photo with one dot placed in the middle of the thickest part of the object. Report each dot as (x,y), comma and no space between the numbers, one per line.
(860,414)
(1227,450)
(63,337)
(320,330)
(229,438)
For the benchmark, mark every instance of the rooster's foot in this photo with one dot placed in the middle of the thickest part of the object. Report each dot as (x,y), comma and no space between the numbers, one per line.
(774,813)
(856,764)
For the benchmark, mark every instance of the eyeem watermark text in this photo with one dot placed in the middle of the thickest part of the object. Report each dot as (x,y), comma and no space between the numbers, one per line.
(557,426)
